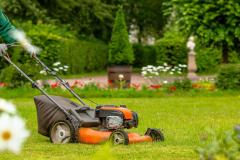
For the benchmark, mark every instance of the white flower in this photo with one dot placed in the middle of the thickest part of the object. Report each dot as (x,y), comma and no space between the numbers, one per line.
(171,73)
(144,73)
(150,66)
(43,72)
(120,76)
(165,82)
(56,63)
(7,107)
(55,69)
(167,68)
(12,133)
(149,70)
(66,66)
(61,68)
(160,67)
(179,72)
(154,69)
(165,64)
(184,66)
(65,70)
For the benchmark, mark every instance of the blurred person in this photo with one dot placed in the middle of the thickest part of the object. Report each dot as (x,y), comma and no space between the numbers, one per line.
(10,35)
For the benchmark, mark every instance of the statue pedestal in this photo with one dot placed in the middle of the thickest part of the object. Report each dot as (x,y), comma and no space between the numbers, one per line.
(192,67)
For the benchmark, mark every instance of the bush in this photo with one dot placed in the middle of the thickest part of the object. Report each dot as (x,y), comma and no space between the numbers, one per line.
(48,38)
(145,55)
(234,57)
(57,44)
(229,77)
(84,55)
(120,49)
(208,59)
(14,78)
(171,49)
(184,84)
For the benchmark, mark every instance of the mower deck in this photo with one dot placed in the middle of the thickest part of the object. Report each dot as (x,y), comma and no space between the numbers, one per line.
(91,136)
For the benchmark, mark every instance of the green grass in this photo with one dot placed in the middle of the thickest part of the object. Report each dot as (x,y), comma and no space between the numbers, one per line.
(183,120)
(93,91)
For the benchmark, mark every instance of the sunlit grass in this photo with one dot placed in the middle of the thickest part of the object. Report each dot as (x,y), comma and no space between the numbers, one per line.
(183,120)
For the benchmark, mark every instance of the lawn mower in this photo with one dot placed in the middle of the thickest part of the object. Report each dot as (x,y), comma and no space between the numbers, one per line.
(66,121)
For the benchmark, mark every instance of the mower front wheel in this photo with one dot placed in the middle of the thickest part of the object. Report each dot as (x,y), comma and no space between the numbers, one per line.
(155,134)
(61,132)
(119,137)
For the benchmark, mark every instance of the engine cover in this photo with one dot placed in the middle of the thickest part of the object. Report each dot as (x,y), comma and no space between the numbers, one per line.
(114,122)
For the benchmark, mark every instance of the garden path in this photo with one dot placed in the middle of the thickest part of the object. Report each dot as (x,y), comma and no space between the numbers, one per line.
(137,79)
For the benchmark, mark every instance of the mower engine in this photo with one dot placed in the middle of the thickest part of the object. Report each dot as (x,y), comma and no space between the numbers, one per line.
(114,117)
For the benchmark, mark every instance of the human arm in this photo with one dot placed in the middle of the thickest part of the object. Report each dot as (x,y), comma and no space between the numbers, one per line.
(6,28)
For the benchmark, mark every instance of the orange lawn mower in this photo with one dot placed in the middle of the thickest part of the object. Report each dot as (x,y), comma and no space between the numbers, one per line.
(65,121)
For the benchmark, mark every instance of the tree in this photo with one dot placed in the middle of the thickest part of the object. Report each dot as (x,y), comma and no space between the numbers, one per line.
(24,10)
(213,22)
(147,15)
(87,17)
(120,49)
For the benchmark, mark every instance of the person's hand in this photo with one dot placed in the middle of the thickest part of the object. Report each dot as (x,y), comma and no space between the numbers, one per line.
(20,37)
(31,49)
(3,49)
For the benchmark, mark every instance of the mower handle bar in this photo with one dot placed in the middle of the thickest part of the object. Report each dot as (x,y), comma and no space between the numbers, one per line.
(62,81)
(51,72)
(34,84)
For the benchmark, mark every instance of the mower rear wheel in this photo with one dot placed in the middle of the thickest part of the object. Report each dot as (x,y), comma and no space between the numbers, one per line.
(119,137)
(155,134)
(61,132)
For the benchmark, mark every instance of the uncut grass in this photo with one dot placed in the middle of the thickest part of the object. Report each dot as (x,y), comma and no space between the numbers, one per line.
(183,120)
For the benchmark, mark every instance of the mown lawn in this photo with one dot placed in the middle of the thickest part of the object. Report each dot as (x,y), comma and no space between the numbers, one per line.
(183,120)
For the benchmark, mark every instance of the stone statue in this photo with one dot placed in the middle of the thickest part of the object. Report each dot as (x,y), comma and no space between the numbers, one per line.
(192,67)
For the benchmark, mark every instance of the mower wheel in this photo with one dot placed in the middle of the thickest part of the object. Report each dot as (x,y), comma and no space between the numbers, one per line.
(119,137)
(61,132)
(155,134)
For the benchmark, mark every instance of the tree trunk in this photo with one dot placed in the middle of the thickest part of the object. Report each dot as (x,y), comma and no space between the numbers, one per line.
(225,52)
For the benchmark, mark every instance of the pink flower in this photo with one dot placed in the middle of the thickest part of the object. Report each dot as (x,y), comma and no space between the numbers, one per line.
(172,88)
(54,85)
(155,86)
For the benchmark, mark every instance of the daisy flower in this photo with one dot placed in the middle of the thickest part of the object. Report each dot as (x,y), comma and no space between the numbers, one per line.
(7,107)
(12,133)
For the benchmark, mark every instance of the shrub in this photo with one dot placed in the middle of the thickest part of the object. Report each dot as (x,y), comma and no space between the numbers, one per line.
(144,55)
(14,78)
(83,55)
(120,49)
(208,59)
(229,77)
(57,44)
(172,49)
(184,84)
(48,37)
(234,57)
